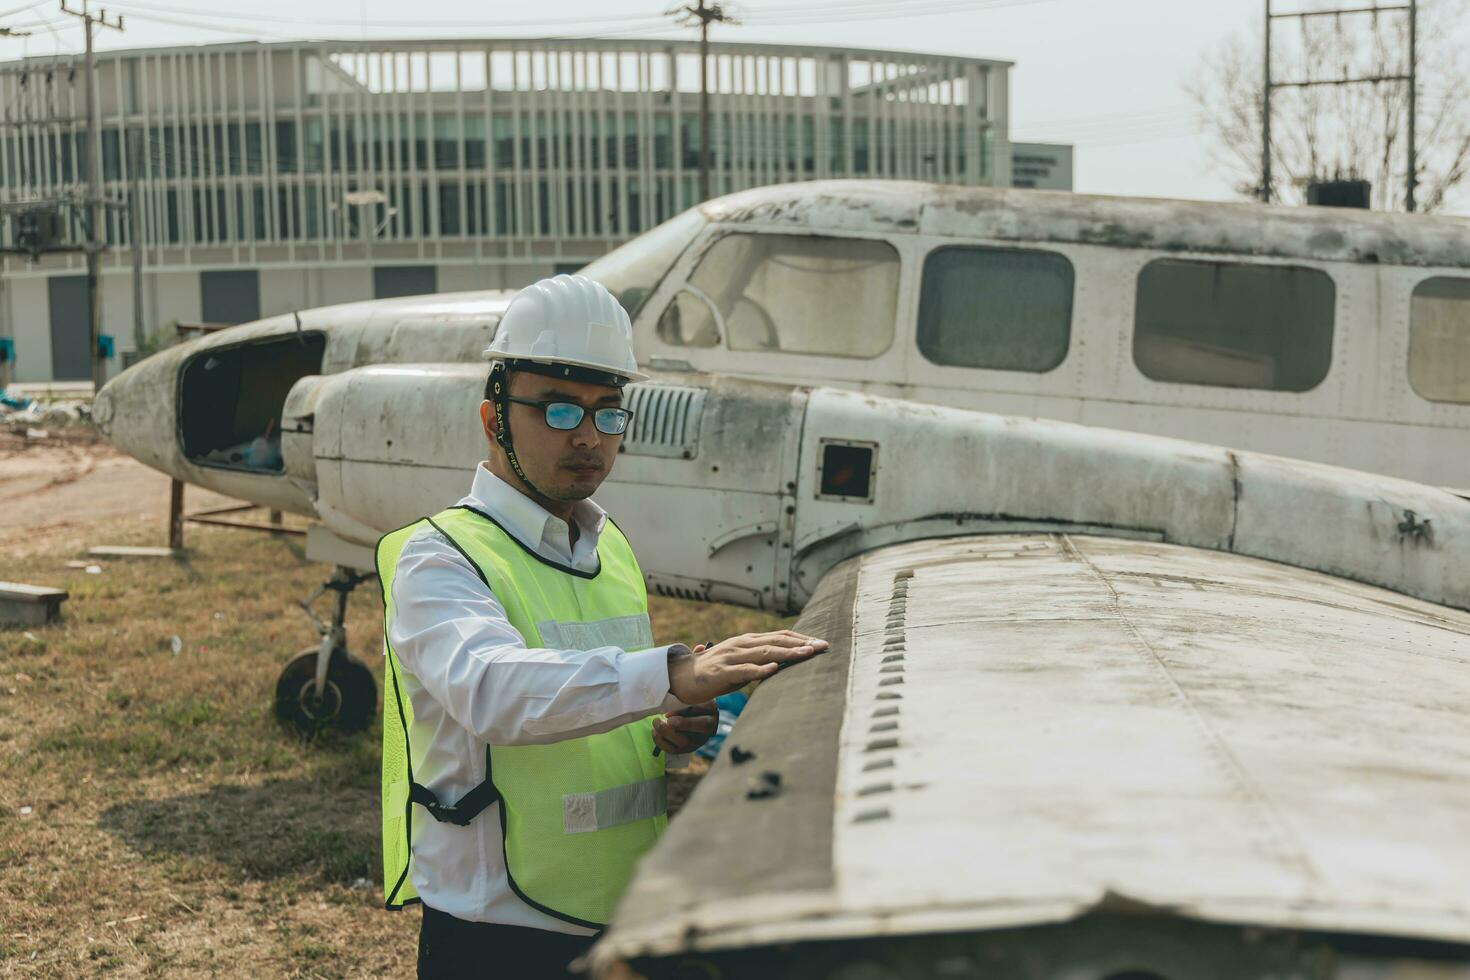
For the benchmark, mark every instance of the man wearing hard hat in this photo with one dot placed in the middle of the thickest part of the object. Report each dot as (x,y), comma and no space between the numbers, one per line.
(527,711)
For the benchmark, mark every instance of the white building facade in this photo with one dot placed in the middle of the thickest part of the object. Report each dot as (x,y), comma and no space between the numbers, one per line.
(273,177)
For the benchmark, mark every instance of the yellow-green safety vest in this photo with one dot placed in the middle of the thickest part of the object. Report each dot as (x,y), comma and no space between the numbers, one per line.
(575,815)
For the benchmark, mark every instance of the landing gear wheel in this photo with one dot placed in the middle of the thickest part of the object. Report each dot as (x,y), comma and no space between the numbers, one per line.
(348,702)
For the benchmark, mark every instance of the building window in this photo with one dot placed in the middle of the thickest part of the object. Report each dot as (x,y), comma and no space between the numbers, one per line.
(404,280)
(1005,309)
(796,293)
(1234,325)
(229,296)
(1439,340)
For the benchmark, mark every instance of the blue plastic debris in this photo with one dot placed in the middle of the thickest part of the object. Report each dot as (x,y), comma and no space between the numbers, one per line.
(730,706)
(15,402)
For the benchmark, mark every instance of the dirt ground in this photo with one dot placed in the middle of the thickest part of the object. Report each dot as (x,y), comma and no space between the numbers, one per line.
(51,487)
(155,821)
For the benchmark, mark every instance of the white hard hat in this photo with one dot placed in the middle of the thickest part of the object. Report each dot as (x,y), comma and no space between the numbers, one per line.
(570,320)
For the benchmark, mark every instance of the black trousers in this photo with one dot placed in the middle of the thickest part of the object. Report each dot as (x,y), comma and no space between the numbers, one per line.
(453,949)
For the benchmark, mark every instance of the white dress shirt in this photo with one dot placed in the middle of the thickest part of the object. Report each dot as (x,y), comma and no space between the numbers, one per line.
(476,682)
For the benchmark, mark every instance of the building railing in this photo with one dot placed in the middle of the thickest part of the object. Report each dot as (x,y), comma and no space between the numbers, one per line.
(363,142)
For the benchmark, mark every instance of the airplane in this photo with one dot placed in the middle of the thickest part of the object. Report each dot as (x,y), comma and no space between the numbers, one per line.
(1100,703)
(1330,334)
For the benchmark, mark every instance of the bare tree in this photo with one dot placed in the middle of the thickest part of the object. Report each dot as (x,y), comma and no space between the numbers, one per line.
(1343,131)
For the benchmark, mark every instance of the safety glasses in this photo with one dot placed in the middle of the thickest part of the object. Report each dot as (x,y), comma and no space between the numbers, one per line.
(566,416)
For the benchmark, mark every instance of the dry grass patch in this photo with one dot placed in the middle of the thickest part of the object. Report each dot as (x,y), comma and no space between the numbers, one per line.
(154,820)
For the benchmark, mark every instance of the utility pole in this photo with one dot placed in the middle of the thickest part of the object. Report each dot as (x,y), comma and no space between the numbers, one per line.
(7,350)
(135,244)
(96,242)
(1266,116)
(704,14)
(1410,76)
(1411,181)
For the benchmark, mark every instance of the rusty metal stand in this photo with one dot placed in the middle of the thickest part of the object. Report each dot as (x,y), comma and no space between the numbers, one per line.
(218,517)
(176,515)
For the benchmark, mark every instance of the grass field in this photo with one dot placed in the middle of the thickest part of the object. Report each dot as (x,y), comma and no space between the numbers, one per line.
(154,820)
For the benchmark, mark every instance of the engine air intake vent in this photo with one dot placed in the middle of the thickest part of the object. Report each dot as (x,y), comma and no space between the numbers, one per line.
(665,420)
(678,587)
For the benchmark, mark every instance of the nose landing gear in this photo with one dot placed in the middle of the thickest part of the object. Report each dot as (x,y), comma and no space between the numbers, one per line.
(325,686)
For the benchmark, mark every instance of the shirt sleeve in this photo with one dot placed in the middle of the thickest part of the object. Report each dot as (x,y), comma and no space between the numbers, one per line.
(452,634)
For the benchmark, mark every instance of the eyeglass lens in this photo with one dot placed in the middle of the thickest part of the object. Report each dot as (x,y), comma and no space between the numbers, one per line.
(566,416)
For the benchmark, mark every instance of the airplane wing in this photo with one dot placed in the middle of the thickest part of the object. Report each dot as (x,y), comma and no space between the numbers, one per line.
(1026,731)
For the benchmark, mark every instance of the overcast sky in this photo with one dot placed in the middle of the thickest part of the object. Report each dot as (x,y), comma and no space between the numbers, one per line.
(1105,76)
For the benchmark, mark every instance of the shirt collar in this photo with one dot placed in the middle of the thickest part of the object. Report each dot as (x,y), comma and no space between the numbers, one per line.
(525,518)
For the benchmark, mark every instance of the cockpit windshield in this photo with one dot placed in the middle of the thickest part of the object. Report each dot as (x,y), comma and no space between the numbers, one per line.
(633,270)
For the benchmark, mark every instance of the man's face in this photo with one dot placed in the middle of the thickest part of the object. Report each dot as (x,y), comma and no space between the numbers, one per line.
(563,464)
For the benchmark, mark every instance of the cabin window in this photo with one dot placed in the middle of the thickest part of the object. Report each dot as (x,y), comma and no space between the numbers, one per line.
(797,293)
(1234,325)
(1439,340)
(1006,309)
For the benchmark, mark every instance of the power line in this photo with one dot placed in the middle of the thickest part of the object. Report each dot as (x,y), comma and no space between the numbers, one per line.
(200,25)
(358,22)
(886,11)
(257,32)
(628,24)
(21,10)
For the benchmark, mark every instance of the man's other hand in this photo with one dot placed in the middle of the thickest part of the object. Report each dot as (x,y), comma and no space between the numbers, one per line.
(731,664)
(684,731)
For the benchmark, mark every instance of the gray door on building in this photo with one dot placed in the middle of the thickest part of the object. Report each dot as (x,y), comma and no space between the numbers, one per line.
(404,280)
(229,296)
(71,328)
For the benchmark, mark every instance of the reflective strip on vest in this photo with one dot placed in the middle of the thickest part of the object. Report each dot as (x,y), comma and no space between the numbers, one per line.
(577,814)
(585,812)
(627,632)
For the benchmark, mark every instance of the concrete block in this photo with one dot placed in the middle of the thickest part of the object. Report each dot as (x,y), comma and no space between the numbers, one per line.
(29,605)
(128,551)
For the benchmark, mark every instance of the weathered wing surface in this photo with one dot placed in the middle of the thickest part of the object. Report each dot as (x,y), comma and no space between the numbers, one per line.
(1017,730)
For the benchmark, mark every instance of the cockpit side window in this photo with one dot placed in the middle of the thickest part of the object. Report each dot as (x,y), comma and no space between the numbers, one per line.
(1439,340)
(802,294)
(633,270)
(1234,324)
(689,321)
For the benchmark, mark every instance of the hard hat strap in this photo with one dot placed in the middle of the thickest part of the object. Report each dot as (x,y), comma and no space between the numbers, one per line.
(500,405)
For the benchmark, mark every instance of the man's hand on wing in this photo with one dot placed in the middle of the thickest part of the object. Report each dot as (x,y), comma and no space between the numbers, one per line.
(730,664)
